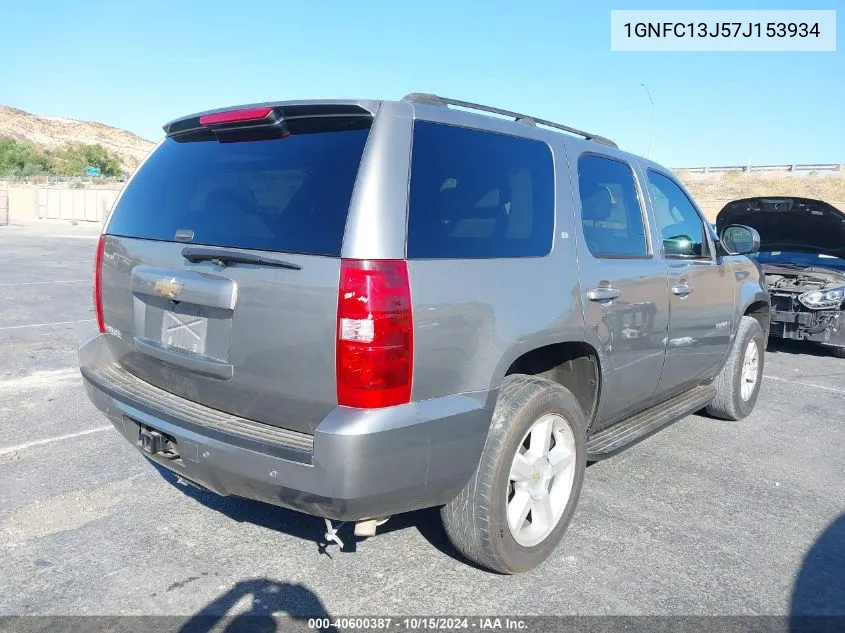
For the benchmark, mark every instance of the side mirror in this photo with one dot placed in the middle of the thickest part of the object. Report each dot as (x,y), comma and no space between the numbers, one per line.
(738,239)
(678,245)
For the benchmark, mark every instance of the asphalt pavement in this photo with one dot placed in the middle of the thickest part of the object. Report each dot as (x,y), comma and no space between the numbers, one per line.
(707,517)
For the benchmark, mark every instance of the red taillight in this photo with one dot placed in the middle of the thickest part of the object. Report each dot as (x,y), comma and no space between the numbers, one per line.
(234,116)
(98,284)
(375,334)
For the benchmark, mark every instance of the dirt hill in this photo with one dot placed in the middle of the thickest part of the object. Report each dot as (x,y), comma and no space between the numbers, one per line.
(47,132)
(715,191)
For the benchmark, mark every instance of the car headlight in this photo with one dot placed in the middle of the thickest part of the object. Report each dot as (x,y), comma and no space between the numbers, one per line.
(819,299)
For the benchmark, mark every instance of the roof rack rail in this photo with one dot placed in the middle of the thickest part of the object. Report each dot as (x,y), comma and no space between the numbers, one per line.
(432,99)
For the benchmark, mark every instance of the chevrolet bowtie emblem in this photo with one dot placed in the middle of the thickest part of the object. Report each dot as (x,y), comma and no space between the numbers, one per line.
(169,288)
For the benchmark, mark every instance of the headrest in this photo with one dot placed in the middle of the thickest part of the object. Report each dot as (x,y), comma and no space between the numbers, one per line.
(596,203)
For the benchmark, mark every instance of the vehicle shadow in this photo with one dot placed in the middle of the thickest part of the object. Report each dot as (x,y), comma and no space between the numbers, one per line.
(804,348)
(818,596)
(296,603)
(310,528)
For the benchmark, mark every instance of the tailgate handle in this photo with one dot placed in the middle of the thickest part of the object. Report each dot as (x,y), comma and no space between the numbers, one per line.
(185,285)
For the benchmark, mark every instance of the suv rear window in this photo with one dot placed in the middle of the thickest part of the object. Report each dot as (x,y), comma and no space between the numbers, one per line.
(477,194)
(290,194)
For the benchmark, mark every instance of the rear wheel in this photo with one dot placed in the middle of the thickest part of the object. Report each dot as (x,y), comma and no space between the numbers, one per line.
(839,352)
(738,384)
(515,509)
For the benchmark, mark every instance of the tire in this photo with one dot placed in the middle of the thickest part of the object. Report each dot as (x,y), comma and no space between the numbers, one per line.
(729,403)
(476,521)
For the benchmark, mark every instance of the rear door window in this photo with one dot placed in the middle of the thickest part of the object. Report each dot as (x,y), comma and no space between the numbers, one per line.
(611,214)
(478,194)
(290,194)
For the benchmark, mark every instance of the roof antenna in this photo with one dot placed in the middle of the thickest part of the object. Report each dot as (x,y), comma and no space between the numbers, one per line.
(651,126)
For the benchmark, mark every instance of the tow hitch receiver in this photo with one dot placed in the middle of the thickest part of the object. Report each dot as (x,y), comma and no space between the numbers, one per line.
(151,442)
(154,442)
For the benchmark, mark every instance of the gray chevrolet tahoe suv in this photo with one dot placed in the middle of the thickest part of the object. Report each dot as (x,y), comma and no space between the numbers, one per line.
(361,308)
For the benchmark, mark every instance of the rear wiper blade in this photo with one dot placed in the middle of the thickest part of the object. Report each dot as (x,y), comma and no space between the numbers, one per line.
(224,257)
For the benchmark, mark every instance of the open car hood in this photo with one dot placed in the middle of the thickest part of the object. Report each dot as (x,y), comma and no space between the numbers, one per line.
(789,224)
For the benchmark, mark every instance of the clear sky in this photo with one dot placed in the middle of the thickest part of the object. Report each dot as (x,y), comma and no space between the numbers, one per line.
(137,64)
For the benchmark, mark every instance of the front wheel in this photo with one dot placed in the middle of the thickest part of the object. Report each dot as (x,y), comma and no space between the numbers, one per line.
(516,507)
(738,384)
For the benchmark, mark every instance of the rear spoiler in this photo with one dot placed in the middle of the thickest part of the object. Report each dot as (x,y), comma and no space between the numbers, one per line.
(268,121)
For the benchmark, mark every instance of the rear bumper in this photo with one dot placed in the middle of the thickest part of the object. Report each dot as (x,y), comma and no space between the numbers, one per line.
(824,326)
(360,463)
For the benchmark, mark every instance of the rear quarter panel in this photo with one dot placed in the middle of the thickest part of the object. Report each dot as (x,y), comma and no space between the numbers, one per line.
(474,317)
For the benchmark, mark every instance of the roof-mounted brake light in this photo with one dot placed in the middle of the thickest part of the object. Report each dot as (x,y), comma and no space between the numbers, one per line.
(236,116)
(257,123)
(263,122)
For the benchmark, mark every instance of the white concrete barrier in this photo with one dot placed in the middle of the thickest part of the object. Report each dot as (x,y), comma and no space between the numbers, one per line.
(64,203)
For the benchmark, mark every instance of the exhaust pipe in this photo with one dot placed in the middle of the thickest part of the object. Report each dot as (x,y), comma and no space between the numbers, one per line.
(368,527)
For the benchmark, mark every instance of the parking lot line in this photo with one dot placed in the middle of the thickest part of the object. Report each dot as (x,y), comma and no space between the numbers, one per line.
(40,380)
(50,440)
(37,283)
(804,384)
(20,327)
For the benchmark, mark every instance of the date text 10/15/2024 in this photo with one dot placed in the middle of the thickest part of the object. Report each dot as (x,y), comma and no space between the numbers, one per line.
(418,623)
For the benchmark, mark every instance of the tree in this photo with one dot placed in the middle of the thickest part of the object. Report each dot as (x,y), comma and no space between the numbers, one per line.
(73,158)
(19,158)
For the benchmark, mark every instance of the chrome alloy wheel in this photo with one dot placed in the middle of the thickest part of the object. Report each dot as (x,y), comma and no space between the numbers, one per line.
(541,477)
(750,368)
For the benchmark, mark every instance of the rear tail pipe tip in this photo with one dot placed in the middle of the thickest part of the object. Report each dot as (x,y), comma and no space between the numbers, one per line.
(368,527)
(362,528)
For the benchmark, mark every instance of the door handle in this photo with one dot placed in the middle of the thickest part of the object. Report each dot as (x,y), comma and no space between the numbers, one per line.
(682,290)
(603,294)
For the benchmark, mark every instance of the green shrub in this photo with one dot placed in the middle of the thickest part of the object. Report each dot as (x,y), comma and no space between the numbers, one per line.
(73,158)
(22,159)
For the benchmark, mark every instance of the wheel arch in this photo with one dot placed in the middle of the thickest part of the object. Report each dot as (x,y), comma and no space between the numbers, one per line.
(760,310)
(575,365)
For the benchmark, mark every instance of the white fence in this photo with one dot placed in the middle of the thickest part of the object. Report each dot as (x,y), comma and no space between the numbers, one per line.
(88,205)
(4,205)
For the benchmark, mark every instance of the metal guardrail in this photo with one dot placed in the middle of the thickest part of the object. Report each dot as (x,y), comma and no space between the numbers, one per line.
(795,167)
